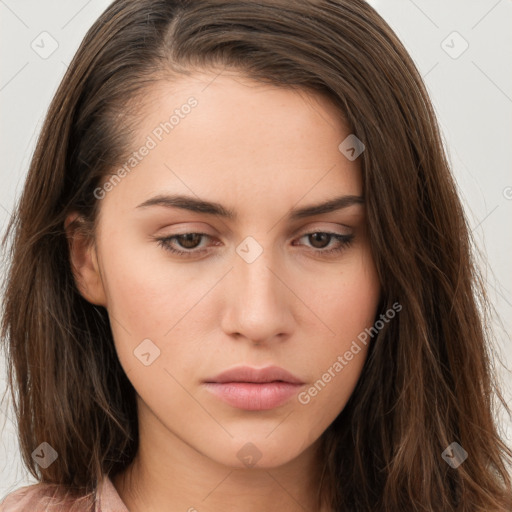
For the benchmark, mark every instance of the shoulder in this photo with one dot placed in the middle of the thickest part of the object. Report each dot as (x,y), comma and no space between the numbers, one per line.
(44,498)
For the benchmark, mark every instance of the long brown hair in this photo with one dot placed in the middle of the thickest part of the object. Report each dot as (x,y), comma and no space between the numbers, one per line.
(428,379)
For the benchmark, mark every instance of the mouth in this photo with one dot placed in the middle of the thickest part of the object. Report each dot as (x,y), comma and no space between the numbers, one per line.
(254,389)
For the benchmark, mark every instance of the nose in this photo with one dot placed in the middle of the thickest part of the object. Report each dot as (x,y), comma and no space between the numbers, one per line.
(258,304)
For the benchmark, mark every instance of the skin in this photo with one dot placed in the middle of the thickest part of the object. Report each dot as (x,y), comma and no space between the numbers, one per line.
(260,151)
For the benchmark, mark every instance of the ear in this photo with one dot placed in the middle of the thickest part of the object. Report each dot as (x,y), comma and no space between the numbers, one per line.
(84,260)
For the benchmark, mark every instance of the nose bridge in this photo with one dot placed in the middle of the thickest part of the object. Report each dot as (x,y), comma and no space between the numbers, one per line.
(256,304)
(257,283)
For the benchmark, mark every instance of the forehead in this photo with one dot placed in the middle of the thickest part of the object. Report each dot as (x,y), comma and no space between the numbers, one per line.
(226,137)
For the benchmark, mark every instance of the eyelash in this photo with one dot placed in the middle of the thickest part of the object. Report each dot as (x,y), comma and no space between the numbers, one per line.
(344,241)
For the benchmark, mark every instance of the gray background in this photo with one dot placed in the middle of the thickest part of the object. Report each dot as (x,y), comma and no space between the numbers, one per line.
(471,91)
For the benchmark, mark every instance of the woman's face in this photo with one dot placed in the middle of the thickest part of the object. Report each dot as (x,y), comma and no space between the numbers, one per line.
(239,167)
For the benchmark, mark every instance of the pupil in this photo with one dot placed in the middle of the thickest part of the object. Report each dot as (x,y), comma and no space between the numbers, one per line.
(319,237)
(187,240)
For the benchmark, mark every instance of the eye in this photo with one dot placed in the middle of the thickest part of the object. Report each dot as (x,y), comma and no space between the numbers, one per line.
(321,239)
(187,241)
(189,244)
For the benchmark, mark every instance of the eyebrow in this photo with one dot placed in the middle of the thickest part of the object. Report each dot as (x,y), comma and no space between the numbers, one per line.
(212,208)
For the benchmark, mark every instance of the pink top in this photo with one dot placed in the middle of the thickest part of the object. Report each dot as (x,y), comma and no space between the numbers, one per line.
(43,498)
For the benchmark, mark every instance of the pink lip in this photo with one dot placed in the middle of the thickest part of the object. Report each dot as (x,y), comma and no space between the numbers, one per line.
(254,389)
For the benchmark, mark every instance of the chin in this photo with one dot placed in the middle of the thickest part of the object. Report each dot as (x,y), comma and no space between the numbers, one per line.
(261,451)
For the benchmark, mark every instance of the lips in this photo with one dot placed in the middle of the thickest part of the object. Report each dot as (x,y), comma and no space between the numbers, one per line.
(254,389)
(255,375)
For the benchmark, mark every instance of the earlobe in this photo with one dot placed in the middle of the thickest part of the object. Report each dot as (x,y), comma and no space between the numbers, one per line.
(84,261)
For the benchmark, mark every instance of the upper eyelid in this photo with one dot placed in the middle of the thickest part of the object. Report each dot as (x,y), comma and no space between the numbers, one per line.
(298,232)
(298,235)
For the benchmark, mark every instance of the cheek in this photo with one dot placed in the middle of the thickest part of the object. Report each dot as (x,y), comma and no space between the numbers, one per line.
(147,300)
(347,301)
(347,304)
(145,291)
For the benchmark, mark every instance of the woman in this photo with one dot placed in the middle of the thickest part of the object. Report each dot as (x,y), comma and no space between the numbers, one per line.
(241,275)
